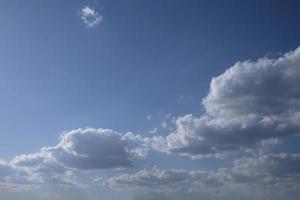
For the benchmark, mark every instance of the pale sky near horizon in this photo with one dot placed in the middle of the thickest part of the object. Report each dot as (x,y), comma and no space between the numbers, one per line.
(143,99)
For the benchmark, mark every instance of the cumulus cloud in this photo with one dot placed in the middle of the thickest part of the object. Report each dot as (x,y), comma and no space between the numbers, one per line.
(90,16)
(92,149)
(77,150)
(249,103)
(86,149)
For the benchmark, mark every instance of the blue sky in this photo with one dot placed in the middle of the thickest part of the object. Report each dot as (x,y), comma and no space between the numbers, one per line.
(143,66)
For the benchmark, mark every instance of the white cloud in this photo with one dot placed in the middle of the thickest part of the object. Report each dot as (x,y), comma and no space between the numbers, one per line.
(249,103)
(149,117)
(164,124)
(90,16)
(153,131)
(92,149)
(86,149)
(77,150)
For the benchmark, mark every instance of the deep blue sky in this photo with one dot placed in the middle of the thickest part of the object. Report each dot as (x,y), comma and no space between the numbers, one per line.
(146,57)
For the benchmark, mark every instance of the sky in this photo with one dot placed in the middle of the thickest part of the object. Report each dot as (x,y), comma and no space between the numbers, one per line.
(149,99)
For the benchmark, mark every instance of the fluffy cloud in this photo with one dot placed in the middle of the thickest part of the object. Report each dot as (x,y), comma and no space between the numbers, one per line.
(86,149)
(92,149)
(77,150)
(90,16)
(249,103)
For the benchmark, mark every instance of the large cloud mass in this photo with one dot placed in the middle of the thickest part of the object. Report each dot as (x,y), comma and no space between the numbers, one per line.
(249,103)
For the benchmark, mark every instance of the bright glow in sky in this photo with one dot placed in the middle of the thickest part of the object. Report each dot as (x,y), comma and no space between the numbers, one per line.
(149,100)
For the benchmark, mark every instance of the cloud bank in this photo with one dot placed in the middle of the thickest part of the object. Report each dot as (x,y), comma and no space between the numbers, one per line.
(261,176)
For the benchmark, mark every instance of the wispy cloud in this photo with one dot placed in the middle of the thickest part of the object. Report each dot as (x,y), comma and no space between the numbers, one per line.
(90,16)
(153,131)
(149,117)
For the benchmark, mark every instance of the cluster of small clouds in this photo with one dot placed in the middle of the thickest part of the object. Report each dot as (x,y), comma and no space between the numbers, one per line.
(90,16)
(263,176)
(159,180)
(250,106)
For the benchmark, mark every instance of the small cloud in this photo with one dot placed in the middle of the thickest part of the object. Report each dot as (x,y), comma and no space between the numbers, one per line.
(164,124)
(168,116)
(149,117)
(98,181)
(153,131)
(184,100)
(90,16)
